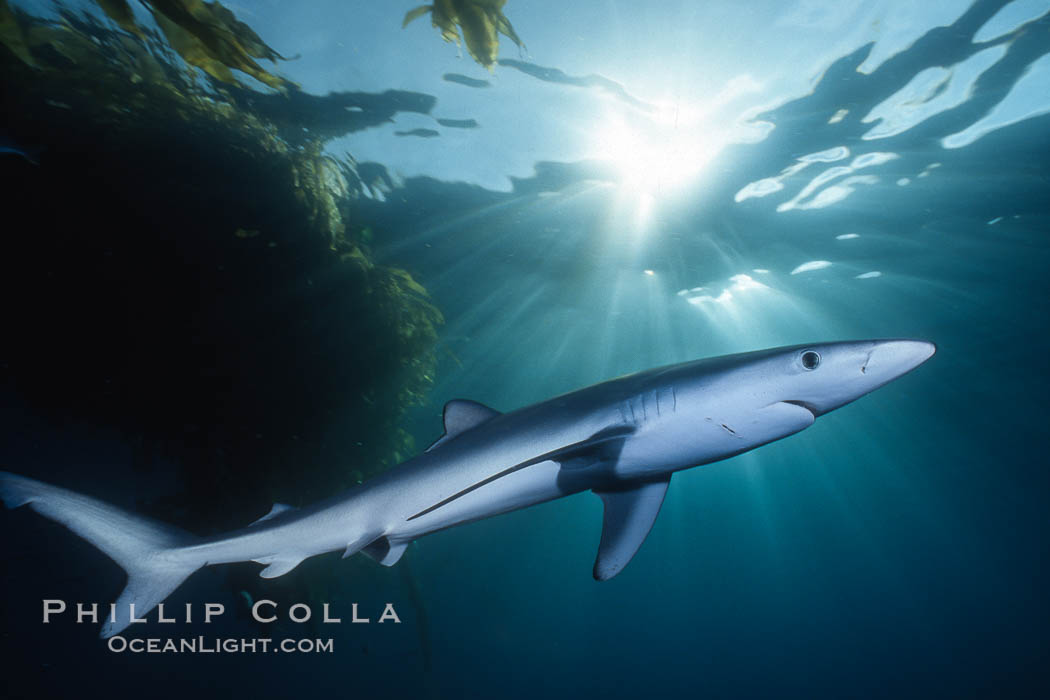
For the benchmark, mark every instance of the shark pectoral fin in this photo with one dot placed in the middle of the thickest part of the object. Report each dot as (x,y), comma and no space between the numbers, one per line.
(277,509)
(629,516)
(279,565)
(460,416)
(385,552)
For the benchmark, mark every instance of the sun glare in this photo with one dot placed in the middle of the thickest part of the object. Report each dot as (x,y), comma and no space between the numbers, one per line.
(657,153)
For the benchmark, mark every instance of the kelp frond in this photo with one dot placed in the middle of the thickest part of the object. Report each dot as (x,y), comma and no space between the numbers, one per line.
(480,21)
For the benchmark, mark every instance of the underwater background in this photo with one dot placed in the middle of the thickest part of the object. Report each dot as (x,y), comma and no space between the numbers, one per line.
(251,249)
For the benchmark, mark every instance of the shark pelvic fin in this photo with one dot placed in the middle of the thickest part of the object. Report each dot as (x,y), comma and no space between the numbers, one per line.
(277,509)
(386,552)
(628,518)
(279,565)
(360,543)
(462,415)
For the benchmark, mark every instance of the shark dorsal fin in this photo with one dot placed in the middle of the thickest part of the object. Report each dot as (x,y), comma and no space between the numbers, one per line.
(628,518)
(277,509)
(463,414)
(460,416)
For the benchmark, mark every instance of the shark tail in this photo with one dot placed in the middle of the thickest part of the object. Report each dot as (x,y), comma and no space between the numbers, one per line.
(150,552)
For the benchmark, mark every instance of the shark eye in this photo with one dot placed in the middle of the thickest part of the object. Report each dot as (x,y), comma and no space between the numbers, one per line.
(810,359)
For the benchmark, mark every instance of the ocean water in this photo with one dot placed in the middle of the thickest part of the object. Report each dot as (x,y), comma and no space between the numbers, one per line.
(642,184)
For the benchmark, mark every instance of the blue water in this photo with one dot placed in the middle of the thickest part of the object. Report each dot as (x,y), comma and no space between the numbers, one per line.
(740,178)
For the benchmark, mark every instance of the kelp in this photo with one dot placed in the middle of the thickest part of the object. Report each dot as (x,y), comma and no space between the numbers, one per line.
(274,214)
(220,41)
(247,37)
(480,21)
(120,12)
(12,36)
(205,34)
(227,269)
(193,50)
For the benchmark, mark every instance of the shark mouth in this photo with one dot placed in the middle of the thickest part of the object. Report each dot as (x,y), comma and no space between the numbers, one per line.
(804,404)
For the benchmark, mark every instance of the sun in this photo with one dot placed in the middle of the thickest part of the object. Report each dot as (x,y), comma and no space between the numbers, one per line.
(656,153)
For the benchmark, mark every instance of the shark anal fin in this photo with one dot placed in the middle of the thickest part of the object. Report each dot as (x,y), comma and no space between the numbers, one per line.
(460,416)
(277,509)
(603,446)
(385,552)
(279,565)
(628,518)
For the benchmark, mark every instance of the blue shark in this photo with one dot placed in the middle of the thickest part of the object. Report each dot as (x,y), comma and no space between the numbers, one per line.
(623,439)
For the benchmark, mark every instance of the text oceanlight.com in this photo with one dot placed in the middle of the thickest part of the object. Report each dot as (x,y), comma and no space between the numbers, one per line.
(216,645)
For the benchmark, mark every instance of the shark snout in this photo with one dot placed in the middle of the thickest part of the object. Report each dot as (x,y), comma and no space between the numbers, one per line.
(847,371)
(890,359)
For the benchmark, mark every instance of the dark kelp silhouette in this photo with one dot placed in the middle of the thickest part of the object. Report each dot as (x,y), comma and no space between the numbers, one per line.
(804,125)
(556,75)
(421,133)
(459,123)
(301,116)
(227,280)
(465,80)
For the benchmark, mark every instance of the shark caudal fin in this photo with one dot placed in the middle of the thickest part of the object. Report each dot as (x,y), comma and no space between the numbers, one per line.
(147,550)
